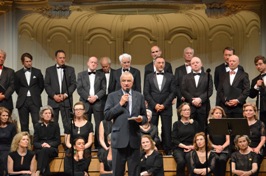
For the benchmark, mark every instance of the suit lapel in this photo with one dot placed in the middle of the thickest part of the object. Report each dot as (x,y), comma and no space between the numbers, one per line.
(164,81)
(238,74)
(155,82)
(86,78)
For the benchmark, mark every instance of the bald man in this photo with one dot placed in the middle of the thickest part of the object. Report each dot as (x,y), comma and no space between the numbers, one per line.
(197,91)
(234,89)
(91,87)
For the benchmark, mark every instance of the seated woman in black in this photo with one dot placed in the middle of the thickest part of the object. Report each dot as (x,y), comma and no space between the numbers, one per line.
(244,161)
(81,128)
(46,140)
(151,162)
(8,130)
(199,165)
(105,159)
(150,129)
(257,131)
(220,143)
(183,133)
(81,161)
(21,160)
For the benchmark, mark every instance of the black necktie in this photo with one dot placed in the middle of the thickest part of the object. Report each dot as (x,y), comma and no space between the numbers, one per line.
(262,75)
(226,65)
(126,69)
(91,73)
(159,73)
(194,74)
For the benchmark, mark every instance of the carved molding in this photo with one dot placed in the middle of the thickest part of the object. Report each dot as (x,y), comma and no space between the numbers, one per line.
(63,8)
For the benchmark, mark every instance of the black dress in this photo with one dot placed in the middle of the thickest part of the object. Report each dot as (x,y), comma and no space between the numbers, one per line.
(17,165)
(102,156)
(244,162)
(153,163)
(46,134)
(83,132)
(256,131)
(221,158)
(80,166)
(182,133)
(196,164)
(6,136)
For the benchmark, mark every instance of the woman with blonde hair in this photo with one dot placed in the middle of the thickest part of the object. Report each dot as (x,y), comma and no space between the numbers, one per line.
(46,140)
(220,143)
(21,160)
(8,130)
(257,131)
(151,162)
(198,156)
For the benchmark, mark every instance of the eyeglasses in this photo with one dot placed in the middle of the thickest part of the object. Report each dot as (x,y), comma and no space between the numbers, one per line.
(155,51)
(78,109)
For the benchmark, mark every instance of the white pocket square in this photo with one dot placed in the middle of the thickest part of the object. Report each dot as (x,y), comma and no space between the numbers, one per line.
(34,77)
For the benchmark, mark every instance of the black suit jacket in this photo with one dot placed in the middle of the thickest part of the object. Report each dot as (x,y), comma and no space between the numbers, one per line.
(125,132)
(51,85)
(219,72)
(111,86)
(83,88)
(7,81)
(35,87)
(137,80)
(254,93)
(179,73)
(240,82)
(149,68)
(189,90)
(153,95)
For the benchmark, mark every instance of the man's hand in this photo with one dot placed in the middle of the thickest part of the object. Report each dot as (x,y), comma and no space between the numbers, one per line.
(92,99)
(59,98)
(259,83)
(139,119)
(124,99)
(2,96)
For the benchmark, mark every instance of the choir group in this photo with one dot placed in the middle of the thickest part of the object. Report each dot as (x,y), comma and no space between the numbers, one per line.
(126,119)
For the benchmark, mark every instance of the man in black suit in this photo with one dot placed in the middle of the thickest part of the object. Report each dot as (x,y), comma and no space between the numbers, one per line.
(221,69)
(91,87)
(126,108)
(159,92)
(59,84)
(7,83)
(109,75)
(180,72)
(150,68)
(258,88)
(234,89)
(125,61)
(197,88)
(29,85)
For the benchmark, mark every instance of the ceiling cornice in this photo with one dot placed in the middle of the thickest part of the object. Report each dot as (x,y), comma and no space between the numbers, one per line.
(63,8)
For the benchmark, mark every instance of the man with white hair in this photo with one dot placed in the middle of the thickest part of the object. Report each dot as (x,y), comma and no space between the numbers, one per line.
(125,61)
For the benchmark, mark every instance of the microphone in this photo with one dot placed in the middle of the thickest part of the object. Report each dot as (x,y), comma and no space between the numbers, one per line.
(127,90)
(208,70)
